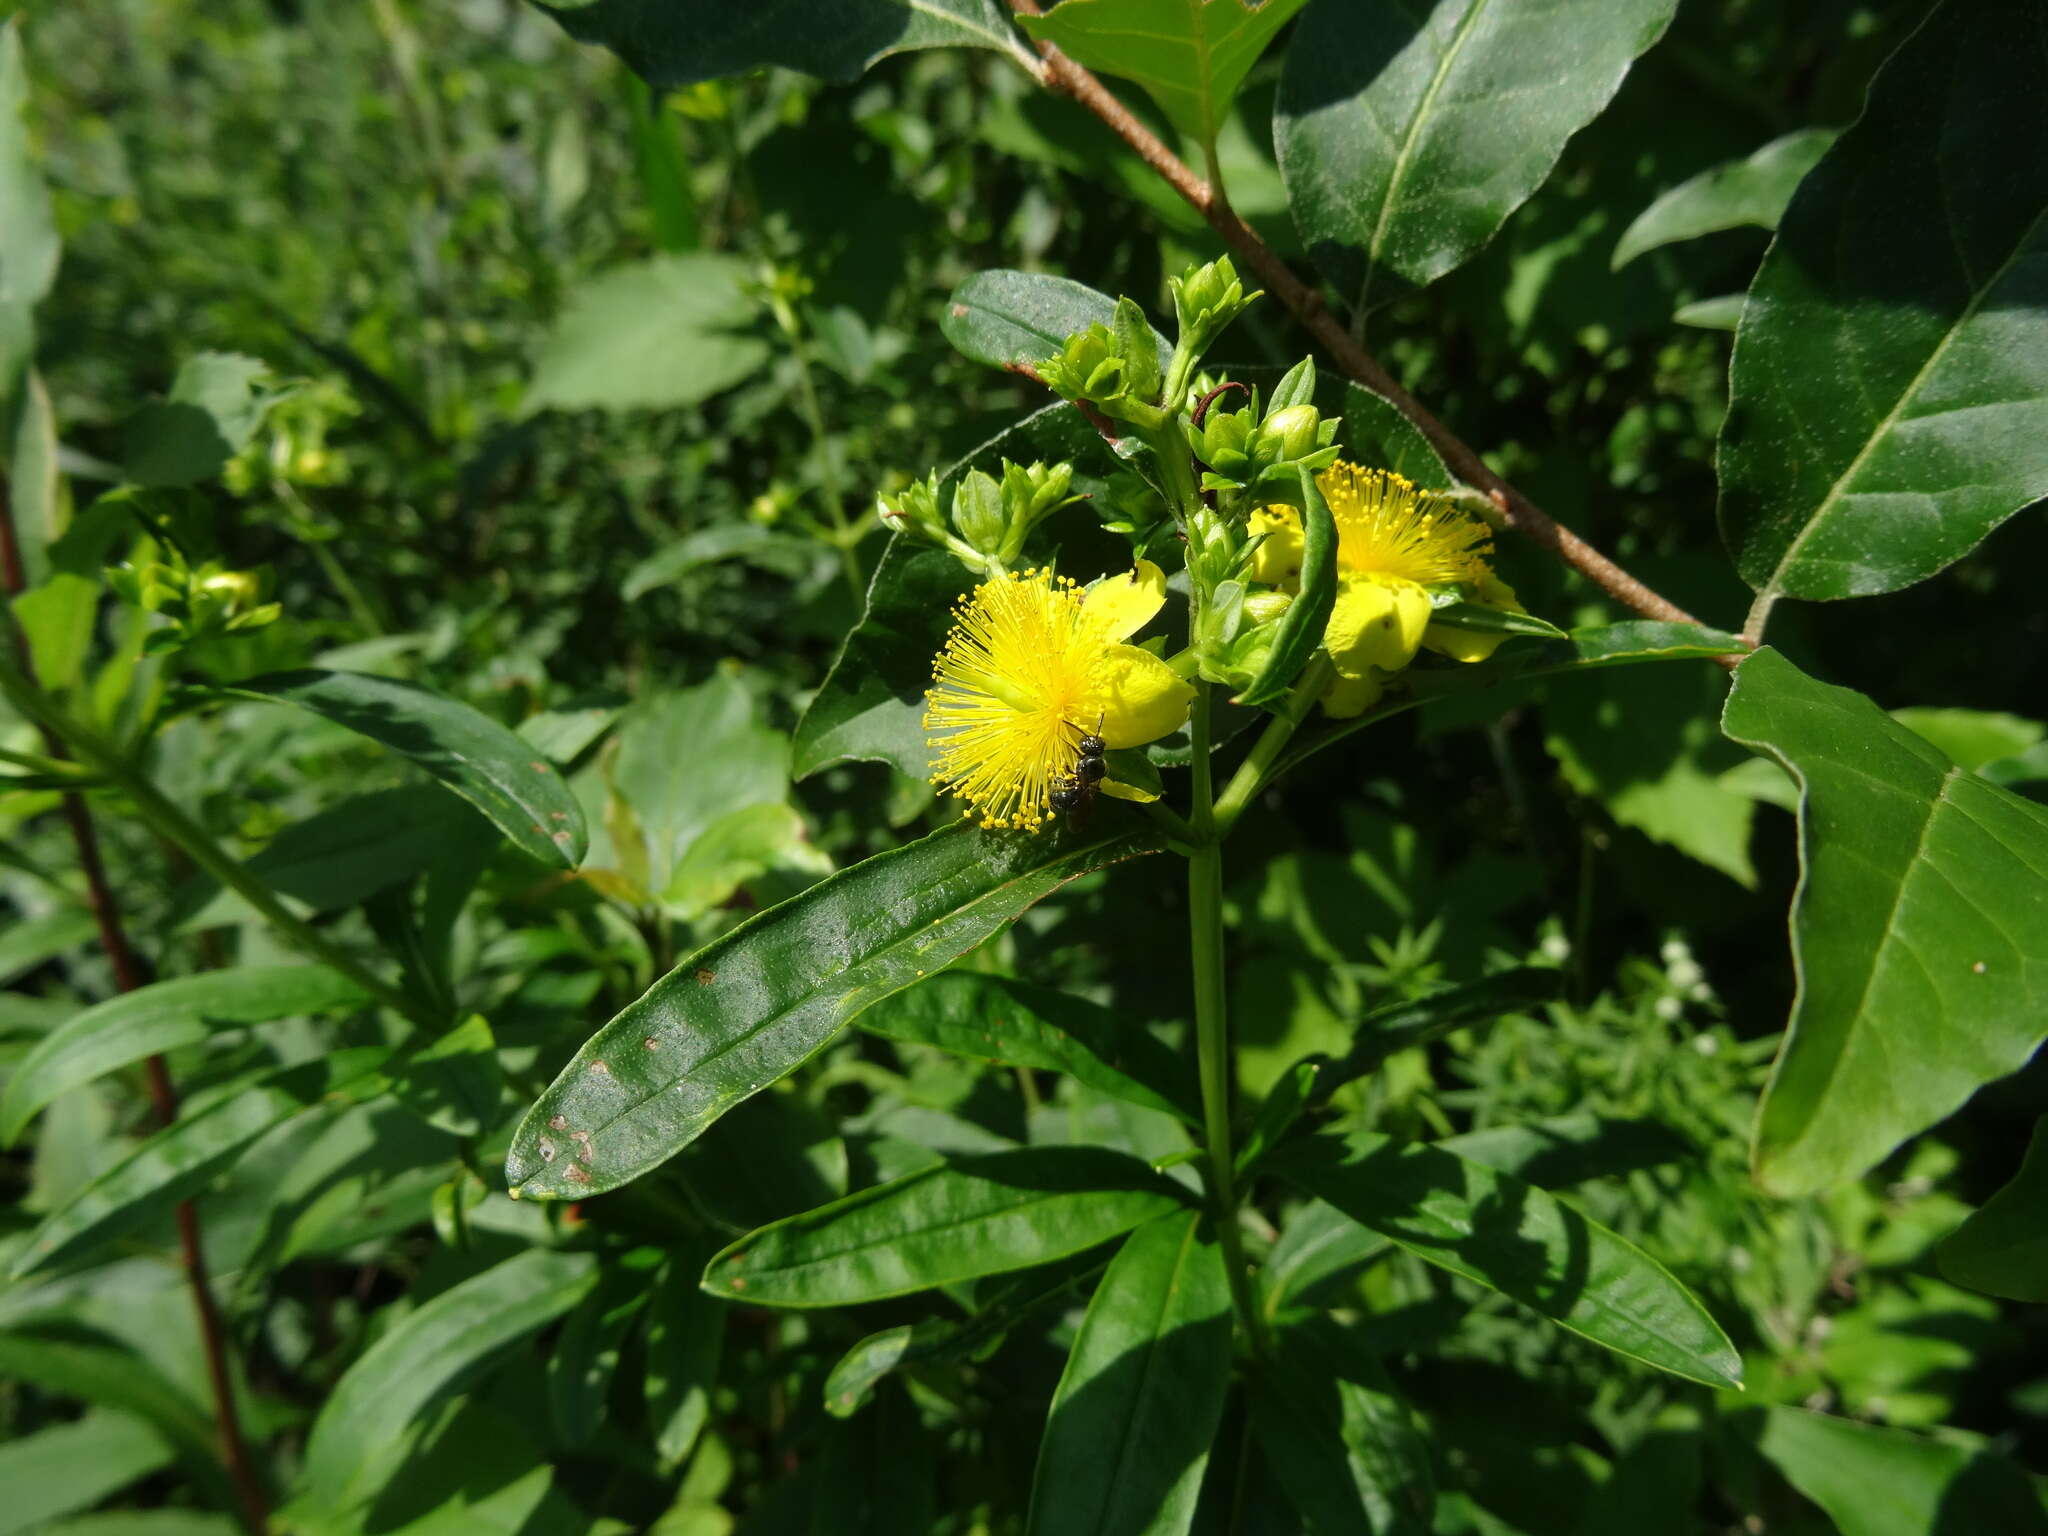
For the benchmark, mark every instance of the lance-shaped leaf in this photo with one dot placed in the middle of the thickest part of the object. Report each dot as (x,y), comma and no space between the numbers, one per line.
(871,706)
(469,752)
(1139,1401)
(163,1017)
(944,1224)
(753,1006)
(1407,135)
(2003,1248)
(1189,55)
(185,1155)
(1751,192)
(685,1339)
(1919,930)
(1012,319)
(1516,1239)
(677,42)
(433,1351)
(1395,1027)
(1001,1019)
(1888,394)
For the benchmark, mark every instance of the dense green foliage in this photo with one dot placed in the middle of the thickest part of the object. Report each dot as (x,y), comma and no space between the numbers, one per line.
(468,870)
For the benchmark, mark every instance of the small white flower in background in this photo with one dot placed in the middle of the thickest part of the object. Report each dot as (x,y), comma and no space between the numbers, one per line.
(1706,1045)
(1686,974)
(1675,950)
(1555,948)
(1670,1009)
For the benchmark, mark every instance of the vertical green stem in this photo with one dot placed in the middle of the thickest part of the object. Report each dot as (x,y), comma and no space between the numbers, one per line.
(1212,1023)
(831,490)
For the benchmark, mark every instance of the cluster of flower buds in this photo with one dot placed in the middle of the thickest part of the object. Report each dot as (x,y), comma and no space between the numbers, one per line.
(201,602)
(292,448)
(1245,452)
(1205,301)
(1115,368)
(989,519)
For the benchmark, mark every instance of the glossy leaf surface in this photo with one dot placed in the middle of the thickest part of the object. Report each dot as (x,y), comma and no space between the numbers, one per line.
(162,1017)
(1189,55)
(677,42)
(753,1005)
(951,1222)
(1888,394)
(1138,1404)
(1001,1019)
(1919,931)
(1750,192)
(1407,136)
(469,752)
(1012,319)
(1516,1239)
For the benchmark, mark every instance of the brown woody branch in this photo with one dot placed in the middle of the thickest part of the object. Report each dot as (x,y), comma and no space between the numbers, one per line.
(163,1094)
(1302,300)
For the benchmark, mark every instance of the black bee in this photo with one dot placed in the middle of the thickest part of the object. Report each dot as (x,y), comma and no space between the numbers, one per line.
(1076,791)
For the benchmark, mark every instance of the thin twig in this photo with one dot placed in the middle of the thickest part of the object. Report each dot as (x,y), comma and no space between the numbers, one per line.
(1303,301)
(163,1093)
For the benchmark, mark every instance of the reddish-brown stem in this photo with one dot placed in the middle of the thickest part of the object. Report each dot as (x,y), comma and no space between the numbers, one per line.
(1306,304)
(163,1093)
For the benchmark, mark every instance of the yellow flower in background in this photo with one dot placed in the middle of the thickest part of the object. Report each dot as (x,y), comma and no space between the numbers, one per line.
(1396,543)
(1033,664)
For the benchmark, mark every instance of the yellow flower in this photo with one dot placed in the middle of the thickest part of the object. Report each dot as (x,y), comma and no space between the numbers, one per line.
(1031,666)
(1395,544)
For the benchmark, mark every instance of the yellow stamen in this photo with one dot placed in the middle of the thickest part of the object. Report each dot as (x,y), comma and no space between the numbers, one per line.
(1388,526)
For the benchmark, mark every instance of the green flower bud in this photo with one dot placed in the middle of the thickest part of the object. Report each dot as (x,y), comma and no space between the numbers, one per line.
(1289,433)
(1266,607)
(1206,300)
(914,510)
(978,512)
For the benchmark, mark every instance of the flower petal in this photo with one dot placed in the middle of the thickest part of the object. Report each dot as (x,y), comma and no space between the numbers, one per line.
(1124,604)
(1278,558)
(1376,621)
(1139,698)
(1468,644)
(1120,791)
(1350,696)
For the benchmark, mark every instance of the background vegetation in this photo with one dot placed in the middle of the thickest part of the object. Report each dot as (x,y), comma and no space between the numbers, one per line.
(570,400)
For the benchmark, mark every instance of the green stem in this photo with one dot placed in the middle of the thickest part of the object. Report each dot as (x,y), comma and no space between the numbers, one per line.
(1212,1024)
(174,826)
(831,492)
(1253,773)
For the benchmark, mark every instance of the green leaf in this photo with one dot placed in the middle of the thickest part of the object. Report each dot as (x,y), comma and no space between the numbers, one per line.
(1340,1441)
(720,542)
(72,1466)
(1723,313)
(1888,394)
(1300,629)
(27,942)
(754,1005)
(685,1338)
(1189,55)
(1019,319)
(435,1350)
(585,1358)
(651,335)
(184,1156)
(1886,1482)
(1480,619)
(735,762)
(143,1522)
(2002,1250)
(340,857)
(217,402)
(1971,738)
(163,1017)
(1741,193)
(469,752)
(112,1376)
(1406,140)
(853,1380)
(29,245)
(42,506)
(1284,1104)
(944,1224)
(679,42)
(455,1083)
(871,707)
(1014,1023)
(1516,1239)
(1918,929)
(1128,1436)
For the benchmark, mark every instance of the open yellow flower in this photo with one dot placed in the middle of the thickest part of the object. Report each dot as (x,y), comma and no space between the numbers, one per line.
(1033,664)
(1396,543)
